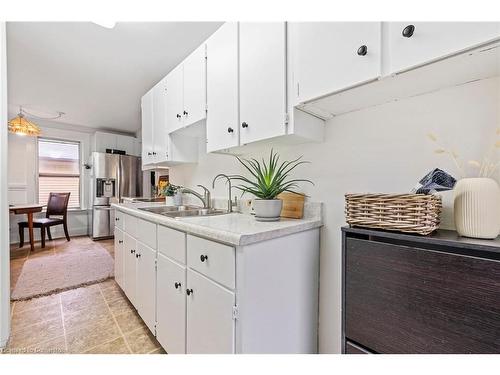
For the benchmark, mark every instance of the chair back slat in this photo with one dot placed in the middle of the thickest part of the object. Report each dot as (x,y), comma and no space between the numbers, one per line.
(57,204)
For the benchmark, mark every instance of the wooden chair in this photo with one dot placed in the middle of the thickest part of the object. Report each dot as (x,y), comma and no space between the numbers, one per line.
(58,206)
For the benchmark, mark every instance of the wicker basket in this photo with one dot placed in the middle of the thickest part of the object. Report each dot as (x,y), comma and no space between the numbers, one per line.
(411,213)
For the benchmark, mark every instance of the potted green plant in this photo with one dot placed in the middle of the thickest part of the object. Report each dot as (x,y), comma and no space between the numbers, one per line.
(267,180)
(172,195)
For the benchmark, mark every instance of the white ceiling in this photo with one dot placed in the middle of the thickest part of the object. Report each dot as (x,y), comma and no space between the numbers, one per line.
(93,74)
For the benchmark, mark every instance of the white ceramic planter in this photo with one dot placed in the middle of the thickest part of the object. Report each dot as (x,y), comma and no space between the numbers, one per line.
(267,209)
(169,201)
(477,208)
(178,199)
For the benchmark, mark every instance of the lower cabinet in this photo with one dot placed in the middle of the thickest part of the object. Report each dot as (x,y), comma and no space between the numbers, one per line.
(171,305)
(146,284)
(210,323)
(119,257)
(184,289)
(129,267)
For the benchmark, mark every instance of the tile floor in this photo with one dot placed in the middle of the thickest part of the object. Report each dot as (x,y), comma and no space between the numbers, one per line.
(93,319)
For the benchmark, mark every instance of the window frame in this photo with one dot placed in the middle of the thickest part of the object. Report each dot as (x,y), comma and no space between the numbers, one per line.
(80,175)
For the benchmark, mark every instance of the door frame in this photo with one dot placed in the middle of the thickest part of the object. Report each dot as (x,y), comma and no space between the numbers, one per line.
(4,203)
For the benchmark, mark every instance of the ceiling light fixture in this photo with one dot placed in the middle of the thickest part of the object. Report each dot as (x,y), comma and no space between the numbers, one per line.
(105,24)
(22,126)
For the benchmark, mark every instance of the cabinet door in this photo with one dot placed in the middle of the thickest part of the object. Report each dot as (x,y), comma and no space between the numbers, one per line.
(119,256)
(210,324)
(146,284)
(174,101)
(126,144)
(129,267)
(433,40)
(147,128)
(171,305)
(195,87)
(222,88)
(329,56)
(104,141)
(160,135)
(262,80)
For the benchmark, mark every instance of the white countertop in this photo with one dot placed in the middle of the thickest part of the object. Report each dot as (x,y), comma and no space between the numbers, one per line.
(235,228)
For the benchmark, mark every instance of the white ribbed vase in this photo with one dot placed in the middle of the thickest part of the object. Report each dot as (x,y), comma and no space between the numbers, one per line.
(477,208)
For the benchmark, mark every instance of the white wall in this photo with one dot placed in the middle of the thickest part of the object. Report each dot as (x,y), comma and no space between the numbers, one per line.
(379,149)
(22,172)
(4,218)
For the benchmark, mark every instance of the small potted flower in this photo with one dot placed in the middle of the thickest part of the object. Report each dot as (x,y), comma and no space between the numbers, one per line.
(267,180)
(173,196)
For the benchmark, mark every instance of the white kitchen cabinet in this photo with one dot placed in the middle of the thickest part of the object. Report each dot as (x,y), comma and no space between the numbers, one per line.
(429,41)
(129,267)
(146,284)
(101,141)
(147,128)
(171,305)
(186,91)
(262,52)
(327,57)
(119,256)
(194,76)
(210,324)
(212,297)
(127,144)
(175,98)
(222,88)
(160,135)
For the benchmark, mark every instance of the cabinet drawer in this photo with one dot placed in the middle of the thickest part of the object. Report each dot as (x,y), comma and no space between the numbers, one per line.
(211,259)
(130,225)
(146,233)
(172,243)
(402,299)
(118,219)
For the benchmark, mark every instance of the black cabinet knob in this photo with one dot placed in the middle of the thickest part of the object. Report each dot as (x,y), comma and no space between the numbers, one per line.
(363,50)
(132,251)
(230,130)
(185,113)
(203,258)
(177,285)
(244,125)
(178,116)
(408,31)
(120,241)
(116,218)
(137,255)
(149,154)
(154,153)
(189,292)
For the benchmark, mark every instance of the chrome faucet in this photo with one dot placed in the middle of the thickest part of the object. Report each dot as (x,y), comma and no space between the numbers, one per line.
(230,203)
(205,198)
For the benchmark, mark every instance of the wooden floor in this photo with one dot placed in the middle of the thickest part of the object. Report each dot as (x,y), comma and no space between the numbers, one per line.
(93,319)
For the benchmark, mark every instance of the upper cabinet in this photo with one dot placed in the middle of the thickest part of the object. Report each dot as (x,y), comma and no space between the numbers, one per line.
(102,141)
(263,112)
(157,147)
(147,128)
(332,56)
(416,43)
(186,91)
(223,125)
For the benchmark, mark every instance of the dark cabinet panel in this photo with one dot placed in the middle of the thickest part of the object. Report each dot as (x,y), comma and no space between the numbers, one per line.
(351,348)
(400,299)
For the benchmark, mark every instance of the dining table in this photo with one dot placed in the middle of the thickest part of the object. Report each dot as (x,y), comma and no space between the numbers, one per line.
(29,210)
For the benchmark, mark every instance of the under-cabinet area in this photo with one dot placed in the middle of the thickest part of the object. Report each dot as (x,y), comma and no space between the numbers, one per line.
(198,295)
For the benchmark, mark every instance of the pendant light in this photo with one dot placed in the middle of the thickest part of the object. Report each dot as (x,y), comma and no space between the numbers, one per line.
(22,126)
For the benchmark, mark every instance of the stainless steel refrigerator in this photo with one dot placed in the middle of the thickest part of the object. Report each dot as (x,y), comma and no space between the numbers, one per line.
(113,177)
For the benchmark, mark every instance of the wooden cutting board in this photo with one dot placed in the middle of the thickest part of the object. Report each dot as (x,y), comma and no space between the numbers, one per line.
(293,205)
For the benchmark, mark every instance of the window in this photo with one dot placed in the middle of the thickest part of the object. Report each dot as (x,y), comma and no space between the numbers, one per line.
(59,170)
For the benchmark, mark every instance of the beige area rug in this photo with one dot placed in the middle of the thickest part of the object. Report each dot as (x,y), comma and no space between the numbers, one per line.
(55,273)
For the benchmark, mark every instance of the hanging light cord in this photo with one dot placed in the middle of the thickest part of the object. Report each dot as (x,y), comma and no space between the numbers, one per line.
(59,114)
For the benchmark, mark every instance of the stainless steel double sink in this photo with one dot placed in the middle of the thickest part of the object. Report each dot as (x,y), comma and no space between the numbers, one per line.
(184,211)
